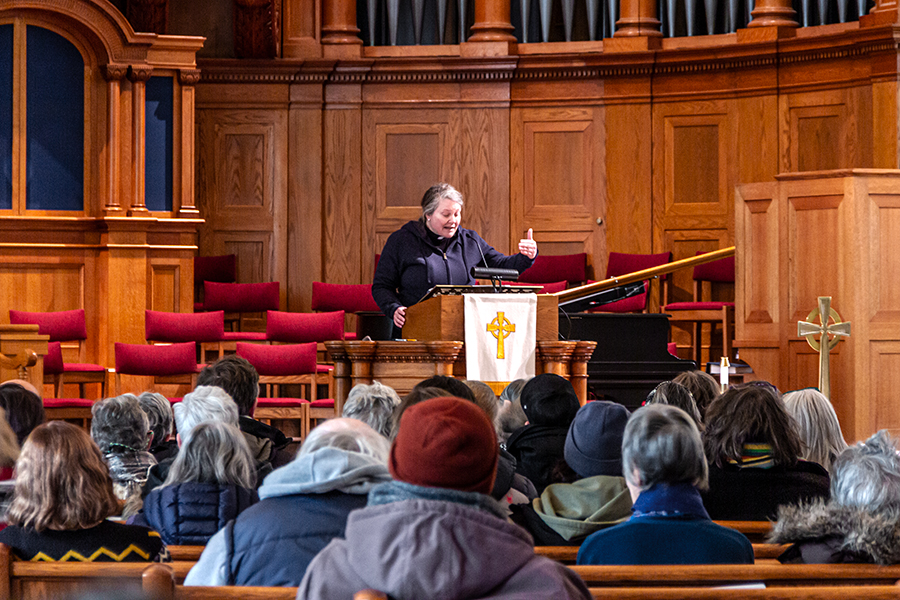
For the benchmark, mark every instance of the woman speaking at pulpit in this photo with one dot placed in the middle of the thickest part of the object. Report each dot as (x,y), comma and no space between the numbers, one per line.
(435,250)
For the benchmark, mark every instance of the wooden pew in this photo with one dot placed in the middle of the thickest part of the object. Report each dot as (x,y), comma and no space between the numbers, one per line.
(567,554)
(824,592)
(25,580)
(756,531)
(185,552)
(159,583)
(615,576)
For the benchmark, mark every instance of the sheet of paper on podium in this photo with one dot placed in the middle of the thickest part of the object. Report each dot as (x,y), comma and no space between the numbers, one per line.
(501,336)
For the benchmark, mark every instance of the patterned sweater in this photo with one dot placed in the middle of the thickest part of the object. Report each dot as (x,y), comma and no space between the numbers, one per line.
(106,542)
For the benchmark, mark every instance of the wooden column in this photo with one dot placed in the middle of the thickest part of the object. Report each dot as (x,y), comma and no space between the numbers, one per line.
(774,13)
(113,75)
(554,357)
(492,22)
(138,75)
(185,205)
(578,375)
(637,18)
(340,35)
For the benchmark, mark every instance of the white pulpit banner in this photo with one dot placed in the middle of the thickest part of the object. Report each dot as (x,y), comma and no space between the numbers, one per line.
(501,336)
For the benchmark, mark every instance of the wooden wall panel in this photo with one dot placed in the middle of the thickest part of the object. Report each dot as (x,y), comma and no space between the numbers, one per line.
(242,191)
(883,241)
(342,192)
(557,183)
(882,412)
(41,285)
(164,292)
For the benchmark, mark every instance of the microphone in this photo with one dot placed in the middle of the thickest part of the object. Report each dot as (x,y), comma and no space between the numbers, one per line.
(490,273)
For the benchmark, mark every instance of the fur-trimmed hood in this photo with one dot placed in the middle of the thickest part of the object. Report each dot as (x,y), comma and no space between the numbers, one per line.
(855,533)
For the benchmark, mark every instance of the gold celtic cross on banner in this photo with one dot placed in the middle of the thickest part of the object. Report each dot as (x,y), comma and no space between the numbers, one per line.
(500,328)
(829,336)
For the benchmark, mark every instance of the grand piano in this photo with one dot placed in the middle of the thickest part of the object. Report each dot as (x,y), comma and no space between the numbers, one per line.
(631,357)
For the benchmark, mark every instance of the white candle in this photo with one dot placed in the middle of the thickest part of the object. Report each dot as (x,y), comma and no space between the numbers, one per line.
(723,373)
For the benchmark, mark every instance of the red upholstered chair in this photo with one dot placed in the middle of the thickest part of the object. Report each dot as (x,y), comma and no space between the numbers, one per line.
(622,264)
(551,269)
(293,364)
(74,410)
(172,364)
(222,269)
(699,311)
(207,329)
(301,328)
(65,326)
(238,300)
(350,298)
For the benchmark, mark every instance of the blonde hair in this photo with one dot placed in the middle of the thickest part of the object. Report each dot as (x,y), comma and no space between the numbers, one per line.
(62,482)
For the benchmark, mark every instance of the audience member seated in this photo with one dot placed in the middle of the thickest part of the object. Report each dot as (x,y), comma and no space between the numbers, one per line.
(664,465)
(485,398)
(304,506)
(239,378)
(550,403)
(817,424)
(702,386)
(675,394)
(509,486)
(753,451)
(122,432)
(23,405)
(9,452)
(63,497)
(205,403)
(434,532)
(510,416)
(861,521)
(159,414)
(566,513)
(373,404)
(210,483)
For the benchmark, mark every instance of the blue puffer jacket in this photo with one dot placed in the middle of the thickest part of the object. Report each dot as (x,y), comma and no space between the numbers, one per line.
(191,513)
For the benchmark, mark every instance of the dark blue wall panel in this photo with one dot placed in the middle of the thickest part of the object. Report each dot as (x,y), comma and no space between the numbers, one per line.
(55,134)
(6,95)
(158,144)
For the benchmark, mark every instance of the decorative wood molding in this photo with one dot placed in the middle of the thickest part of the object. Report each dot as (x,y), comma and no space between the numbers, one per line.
(188,76)
(140,73)
(114,72)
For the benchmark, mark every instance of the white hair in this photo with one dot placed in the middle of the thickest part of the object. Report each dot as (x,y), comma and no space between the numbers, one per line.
(347,434)
(817,424)
(372,404)
(205,403)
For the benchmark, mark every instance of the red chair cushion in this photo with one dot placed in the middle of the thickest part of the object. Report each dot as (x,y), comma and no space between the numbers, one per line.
(322,403)
(324,368)
(139,359)
(60,325)
(184,327)
(67,403)
(696,305)
(299,328)
(721,270)
(279,361)
(53,360)
(245,336)
(82,368)
(348,298)
(625,305)
(221,268)
(672,347)
(280,402)
(550,269)
(240,297)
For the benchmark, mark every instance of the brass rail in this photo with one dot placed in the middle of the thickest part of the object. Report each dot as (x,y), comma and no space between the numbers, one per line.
(606,284)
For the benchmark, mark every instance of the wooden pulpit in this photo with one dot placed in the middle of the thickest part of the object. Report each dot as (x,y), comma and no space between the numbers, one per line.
(22,351)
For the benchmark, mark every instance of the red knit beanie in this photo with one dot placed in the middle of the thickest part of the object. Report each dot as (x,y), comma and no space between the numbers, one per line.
(446,443)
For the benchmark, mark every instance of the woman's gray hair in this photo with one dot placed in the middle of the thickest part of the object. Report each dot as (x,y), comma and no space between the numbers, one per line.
(347,434)
(215,452)
(159,414)
(205,403)
(675,394)
(118,424)
(867,475)
(662,444)
(510,416)
(435,194)
(373,404)
(817,424)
